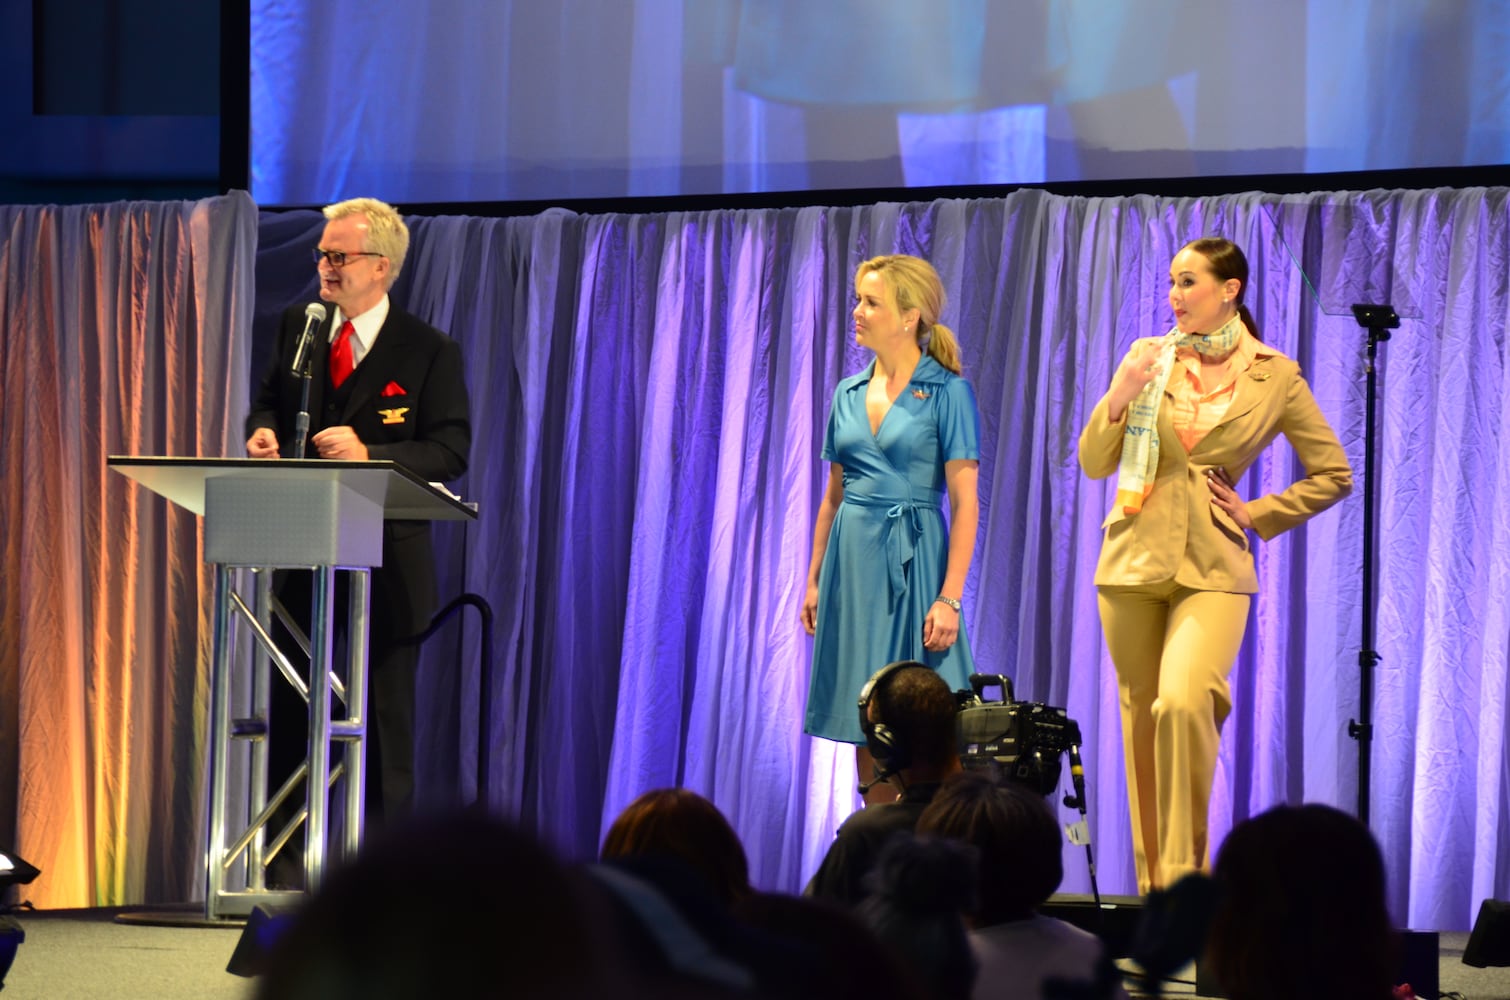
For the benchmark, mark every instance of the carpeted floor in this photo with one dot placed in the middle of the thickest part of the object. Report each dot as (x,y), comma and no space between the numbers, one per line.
(85,955)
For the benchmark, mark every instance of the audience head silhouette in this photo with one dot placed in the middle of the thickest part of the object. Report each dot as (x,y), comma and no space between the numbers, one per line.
(1300,909)
(1018,839)
(916,710)
(921,888)
(681,825)
(1020,952)
(829,954)
(451,906)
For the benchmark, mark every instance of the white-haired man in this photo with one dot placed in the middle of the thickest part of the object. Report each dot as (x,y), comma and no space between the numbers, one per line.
(385,385)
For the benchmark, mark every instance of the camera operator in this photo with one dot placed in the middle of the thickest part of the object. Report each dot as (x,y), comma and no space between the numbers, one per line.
(907,713)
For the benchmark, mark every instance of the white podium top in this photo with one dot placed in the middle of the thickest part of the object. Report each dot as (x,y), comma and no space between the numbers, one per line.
(401,494)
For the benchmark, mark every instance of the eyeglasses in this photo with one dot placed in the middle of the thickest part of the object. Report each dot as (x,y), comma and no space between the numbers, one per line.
(339,258)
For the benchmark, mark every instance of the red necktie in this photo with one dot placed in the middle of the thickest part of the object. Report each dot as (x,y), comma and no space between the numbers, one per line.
(340,356)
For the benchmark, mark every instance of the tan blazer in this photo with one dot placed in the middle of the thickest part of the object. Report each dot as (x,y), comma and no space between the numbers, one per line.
(1180,534)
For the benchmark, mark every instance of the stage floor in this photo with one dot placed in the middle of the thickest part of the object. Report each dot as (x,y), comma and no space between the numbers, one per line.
(78,954)
(1453,976)
(1117,920)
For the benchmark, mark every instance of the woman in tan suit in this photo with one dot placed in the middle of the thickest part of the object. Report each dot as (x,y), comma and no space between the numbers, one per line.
(1185,416)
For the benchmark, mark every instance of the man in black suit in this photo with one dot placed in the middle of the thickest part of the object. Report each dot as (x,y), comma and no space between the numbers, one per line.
(385,386)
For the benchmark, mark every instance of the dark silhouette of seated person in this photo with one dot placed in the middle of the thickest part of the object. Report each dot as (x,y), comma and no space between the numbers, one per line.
(672,868)
(921,889)
(1300,909)
(682,826)
(458,905)
(1022,953)
(907,712)
(828,952)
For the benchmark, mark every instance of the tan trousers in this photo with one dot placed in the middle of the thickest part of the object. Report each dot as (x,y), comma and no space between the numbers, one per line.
(1173,648)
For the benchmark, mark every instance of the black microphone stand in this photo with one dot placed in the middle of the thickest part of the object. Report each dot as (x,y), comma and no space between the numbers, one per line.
(485,681)
(1076,800)
(303,366)
(1378,320)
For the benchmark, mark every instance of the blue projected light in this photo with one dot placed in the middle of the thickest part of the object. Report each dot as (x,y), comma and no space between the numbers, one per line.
(458,101)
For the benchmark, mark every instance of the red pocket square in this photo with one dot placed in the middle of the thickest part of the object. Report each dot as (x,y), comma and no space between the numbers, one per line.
(394,389)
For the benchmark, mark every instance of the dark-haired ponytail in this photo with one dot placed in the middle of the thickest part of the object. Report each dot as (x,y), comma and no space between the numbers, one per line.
(1249,321)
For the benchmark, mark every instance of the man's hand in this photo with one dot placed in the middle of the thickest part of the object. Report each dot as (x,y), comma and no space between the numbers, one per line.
(263,443)
(340,443)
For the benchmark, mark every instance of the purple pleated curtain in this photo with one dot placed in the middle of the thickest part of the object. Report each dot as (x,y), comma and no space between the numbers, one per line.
(649,393)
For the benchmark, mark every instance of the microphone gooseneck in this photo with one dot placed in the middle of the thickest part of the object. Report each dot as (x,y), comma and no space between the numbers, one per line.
(314,315)
(881,775)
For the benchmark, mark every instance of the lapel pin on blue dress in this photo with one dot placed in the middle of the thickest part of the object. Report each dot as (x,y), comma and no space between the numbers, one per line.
(919,394)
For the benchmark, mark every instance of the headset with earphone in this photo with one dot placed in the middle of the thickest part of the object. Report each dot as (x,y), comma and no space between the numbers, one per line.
(889,750)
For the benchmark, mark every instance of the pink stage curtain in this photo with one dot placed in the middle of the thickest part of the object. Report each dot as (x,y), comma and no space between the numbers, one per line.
(125,332)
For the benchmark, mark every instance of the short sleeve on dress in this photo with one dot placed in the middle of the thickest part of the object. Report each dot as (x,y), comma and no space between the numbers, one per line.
(958,421)
(830,452)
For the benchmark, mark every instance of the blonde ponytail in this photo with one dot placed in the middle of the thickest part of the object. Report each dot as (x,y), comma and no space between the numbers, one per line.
(943,346)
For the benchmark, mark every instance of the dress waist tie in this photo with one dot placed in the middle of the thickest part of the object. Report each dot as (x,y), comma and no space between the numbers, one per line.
(904,526)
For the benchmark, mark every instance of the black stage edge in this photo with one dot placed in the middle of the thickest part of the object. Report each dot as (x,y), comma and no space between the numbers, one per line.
(176,915)
(1410,178)
(1114,922)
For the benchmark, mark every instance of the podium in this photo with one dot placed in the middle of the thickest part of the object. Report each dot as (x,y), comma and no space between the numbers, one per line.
(261,515)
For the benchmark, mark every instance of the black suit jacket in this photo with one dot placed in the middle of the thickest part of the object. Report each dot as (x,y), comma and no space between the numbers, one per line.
(407,403)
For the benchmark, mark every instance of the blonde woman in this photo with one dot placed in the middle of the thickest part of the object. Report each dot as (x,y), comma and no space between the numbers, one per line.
(886,578)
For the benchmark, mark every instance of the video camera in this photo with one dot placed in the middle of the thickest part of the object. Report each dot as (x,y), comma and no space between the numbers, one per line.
(1025,740)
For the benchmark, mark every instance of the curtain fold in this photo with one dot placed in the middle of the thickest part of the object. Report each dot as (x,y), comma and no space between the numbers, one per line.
(125,332)
(649,391)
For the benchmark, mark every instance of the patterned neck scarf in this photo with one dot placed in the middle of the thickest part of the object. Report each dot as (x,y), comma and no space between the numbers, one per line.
(1140,439)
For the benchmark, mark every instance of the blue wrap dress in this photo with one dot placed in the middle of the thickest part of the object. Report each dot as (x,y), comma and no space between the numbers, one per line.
(887,548)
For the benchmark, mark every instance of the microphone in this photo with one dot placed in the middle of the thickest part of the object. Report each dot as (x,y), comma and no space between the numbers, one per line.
(1077,778)
(314,315)
(881,774)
